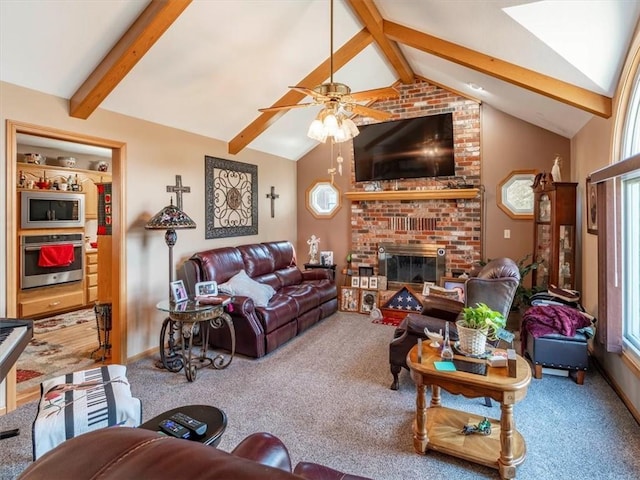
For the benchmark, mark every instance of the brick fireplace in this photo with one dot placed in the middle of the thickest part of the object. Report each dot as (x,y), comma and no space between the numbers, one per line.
(454,223)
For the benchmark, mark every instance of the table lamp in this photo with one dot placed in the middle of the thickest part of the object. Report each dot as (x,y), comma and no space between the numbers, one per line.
(170,218)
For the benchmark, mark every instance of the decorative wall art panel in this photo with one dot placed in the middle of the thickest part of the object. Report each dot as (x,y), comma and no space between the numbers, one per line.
(231,198)
(104,209)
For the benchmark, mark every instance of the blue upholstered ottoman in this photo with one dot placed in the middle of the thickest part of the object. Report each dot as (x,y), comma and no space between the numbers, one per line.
(83,401)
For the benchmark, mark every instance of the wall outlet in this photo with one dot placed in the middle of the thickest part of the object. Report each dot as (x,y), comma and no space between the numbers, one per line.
(507,233)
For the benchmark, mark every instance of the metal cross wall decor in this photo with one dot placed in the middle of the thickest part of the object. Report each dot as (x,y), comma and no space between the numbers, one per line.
(178,189)
(272,196)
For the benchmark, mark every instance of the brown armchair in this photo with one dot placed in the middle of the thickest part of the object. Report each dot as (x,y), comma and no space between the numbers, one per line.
(495,285)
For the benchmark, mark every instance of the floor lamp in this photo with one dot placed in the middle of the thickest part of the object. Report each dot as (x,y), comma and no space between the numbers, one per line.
(170,218)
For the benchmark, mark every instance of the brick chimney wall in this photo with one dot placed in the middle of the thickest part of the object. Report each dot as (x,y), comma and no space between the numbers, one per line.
(455,224)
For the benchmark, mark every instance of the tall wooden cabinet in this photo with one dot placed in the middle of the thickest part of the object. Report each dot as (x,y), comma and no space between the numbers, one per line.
(554,234)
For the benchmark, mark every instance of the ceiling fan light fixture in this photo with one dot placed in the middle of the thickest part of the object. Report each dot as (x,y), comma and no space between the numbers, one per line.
(317,131)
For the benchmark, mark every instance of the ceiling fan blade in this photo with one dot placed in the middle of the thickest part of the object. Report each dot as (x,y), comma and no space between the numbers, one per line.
(306,91)
(370,112)
(285,107)
(375,94)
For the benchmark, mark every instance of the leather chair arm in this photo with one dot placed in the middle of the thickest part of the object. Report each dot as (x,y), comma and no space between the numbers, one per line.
(266,449)
(441,307)
(314,471)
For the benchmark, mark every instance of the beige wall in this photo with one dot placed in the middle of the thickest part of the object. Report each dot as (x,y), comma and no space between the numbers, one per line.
(155,154)
(508,144)
(592,149)
(334,233)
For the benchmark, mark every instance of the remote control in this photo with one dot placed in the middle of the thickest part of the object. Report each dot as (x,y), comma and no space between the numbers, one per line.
(175,429)
(199,428)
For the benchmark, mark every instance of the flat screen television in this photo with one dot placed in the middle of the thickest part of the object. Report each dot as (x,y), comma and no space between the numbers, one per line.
(410,148)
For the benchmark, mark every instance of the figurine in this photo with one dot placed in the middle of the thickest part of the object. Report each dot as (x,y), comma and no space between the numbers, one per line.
(313,243)
(555,170)
(484,428)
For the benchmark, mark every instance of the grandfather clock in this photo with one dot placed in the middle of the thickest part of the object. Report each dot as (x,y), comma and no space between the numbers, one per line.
(554,235)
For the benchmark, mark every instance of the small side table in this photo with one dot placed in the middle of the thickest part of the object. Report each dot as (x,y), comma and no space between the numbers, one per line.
(332,268)
(215,419)
(188,318)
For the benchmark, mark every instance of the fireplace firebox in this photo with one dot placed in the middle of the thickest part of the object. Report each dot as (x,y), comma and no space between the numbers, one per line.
(411,264)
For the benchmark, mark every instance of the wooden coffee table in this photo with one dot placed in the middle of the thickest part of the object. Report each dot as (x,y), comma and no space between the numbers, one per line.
(439,428)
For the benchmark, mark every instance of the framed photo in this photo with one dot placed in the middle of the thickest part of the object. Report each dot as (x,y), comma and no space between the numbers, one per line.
(178,292)
(373,283)
(355,282)
(453,283)
(364,282)
(349,299)
(368,300)
(231,198)
(206,289)
(326,258)
(591,192)
(426,286)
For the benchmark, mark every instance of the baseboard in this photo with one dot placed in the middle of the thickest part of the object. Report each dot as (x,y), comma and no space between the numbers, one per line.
(616,388)
(145,354)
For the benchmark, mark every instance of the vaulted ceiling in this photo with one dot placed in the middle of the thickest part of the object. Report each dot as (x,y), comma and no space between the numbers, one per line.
(207,66)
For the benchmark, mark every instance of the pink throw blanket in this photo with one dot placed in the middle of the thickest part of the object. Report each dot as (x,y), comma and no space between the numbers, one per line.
(543,320)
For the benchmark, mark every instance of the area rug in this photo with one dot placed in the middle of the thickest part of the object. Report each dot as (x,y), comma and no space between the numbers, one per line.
(42,359)
(64,320)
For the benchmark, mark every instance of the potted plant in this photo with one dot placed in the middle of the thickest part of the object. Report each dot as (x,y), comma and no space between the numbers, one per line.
(478,324)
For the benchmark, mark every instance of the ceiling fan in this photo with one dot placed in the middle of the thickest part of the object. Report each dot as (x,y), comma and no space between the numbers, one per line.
(339,104)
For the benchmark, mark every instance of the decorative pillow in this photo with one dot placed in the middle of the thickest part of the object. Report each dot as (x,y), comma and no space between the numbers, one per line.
(244,286)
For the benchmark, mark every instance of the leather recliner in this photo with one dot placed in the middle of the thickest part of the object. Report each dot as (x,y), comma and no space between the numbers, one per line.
(119,453)
(495,285)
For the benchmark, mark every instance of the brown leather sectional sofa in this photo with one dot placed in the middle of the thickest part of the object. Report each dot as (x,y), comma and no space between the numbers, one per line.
(122,453)
(302,297)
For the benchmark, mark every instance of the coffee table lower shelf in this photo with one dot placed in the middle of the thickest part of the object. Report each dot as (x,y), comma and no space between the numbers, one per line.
(444,427)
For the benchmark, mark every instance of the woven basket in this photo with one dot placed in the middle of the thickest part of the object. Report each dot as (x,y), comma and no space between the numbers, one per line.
(472,341)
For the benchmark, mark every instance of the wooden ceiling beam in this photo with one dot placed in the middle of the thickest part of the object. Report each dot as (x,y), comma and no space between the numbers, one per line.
(536,82)
(370,17)
(340,58)
(129,50)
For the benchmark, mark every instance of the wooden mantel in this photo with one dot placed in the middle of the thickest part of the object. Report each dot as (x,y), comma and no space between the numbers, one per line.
(388,195)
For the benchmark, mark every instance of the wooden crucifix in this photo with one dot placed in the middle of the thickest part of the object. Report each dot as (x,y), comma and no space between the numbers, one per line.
(272,196)
(179,190)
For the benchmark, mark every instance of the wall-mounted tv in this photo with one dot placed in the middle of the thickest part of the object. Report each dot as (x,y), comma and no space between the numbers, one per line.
(410,148)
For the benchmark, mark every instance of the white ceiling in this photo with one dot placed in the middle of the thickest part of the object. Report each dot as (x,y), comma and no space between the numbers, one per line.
(221,60)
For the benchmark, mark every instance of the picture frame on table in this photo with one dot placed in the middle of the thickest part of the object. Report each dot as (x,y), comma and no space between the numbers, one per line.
(373,283)
(178,291)
(592,207)
(426,286)
(355,282)
(326,258)
(365,271)
(368,300)
(206,289)
(364,282)
(455,283)
(349,299)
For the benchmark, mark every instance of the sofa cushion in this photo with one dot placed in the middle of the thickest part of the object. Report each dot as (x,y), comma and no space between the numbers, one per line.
(219,264)
(244,286)
(282,309)
(257,259)
(289,276)
(283,254)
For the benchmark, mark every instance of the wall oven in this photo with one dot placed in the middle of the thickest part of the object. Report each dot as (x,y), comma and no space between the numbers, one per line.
(51,209)
(38,272)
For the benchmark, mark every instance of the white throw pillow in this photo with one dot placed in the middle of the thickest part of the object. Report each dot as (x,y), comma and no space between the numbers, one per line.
(243,285)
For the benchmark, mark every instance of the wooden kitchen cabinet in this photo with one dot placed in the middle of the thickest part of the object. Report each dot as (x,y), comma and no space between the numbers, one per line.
(47,301)
(91,277)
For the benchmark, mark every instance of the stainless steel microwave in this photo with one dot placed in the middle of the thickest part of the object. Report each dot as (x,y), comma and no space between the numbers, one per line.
(51,209)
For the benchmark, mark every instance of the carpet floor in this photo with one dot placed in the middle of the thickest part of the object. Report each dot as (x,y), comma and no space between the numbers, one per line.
(326,395)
